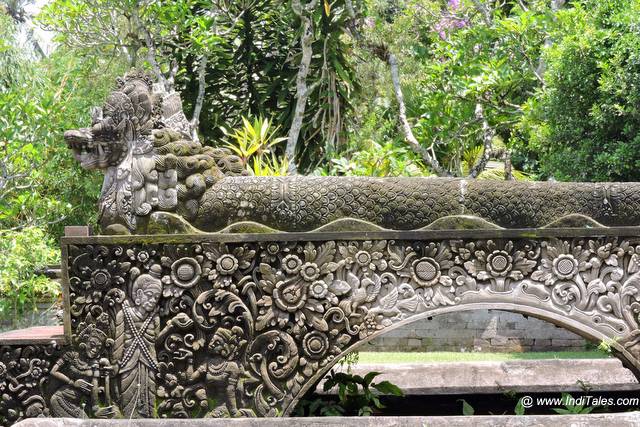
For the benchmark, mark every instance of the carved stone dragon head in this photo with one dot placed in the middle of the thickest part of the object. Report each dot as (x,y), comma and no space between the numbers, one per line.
(141,139)
(128,113)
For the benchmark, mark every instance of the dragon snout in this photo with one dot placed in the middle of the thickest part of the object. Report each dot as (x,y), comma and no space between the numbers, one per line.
(78,138)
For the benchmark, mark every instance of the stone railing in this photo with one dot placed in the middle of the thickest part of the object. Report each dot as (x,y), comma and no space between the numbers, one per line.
(200,307)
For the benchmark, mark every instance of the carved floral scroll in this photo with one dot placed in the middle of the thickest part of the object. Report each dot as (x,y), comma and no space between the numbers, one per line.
(213,329)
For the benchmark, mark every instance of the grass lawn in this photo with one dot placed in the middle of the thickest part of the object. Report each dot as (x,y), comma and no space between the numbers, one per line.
(450,356)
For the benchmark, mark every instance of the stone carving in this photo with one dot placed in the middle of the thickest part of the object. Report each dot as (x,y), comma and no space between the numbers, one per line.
(252,325)
(241,329)
(24,371)
(136,327)
(140,139)
(84,375)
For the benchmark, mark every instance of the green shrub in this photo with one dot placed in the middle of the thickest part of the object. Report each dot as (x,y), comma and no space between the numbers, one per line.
(21,254)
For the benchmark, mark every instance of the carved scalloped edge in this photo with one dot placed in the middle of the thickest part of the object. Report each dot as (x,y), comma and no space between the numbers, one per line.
(170,223)
(575,221)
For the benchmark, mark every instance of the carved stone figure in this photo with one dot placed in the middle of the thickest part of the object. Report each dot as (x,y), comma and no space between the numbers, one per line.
(84,375)
(136,327)
(154,170)
(223,373)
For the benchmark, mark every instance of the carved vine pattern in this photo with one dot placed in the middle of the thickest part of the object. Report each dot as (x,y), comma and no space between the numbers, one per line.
(239,329)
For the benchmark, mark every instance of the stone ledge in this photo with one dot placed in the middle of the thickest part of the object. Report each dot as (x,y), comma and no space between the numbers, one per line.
(522,376)
(33,335)
(604,420)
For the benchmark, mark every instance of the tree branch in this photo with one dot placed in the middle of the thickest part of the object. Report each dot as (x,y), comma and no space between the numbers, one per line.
(406,127)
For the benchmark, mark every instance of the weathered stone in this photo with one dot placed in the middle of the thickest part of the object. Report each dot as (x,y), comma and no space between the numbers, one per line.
(629,419)
(141,140)
(241,325)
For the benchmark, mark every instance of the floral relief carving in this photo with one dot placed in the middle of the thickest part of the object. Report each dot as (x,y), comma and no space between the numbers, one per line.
(250,325)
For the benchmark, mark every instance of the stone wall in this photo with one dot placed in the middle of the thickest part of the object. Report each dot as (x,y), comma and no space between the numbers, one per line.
(481,330)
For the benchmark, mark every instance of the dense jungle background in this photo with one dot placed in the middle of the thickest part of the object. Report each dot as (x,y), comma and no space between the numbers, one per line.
(488,89)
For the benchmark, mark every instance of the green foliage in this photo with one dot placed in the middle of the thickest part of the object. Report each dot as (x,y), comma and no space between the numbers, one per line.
(37,167)
(585,124)
(253,51)
(467,409)
(375,159)
(253,142)
(573,406)
(358,394)
(21,254)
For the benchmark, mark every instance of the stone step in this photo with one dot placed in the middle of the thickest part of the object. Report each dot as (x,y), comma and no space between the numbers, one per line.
(33,335)
(628,419)
(521,376)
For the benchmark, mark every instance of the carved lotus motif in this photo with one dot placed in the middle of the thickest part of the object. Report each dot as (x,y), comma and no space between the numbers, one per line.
(290,297)
(562,263)
(428,270)
(318,289)
(309,271)
(315,345)
(227,264)
(493,262)
(368,255)
(96,271)
(292,264)
(224,266)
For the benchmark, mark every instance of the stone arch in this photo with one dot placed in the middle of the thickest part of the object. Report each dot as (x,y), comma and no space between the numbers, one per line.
(628,360)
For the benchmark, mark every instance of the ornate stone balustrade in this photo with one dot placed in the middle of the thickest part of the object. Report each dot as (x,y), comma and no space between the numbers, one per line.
(216,325)
(165,320)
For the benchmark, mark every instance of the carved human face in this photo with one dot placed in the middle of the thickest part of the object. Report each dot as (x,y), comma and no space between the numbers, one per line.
(218,345)
(147,298)
(94,347)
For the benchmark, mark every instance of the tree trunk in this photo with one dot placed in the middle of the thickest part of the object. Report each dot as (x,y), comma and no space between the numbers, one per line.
(431,161)
(487,140)
(302,90)
(202,87)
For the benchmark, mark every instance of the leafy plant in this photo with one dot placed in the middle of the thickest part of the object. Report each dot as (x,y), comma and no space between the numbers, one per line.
(573,406)
(253,141)
(21,255)
(606,346)
(319,407)
(375,159)
(358,394)
(270,166)
(467,409)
